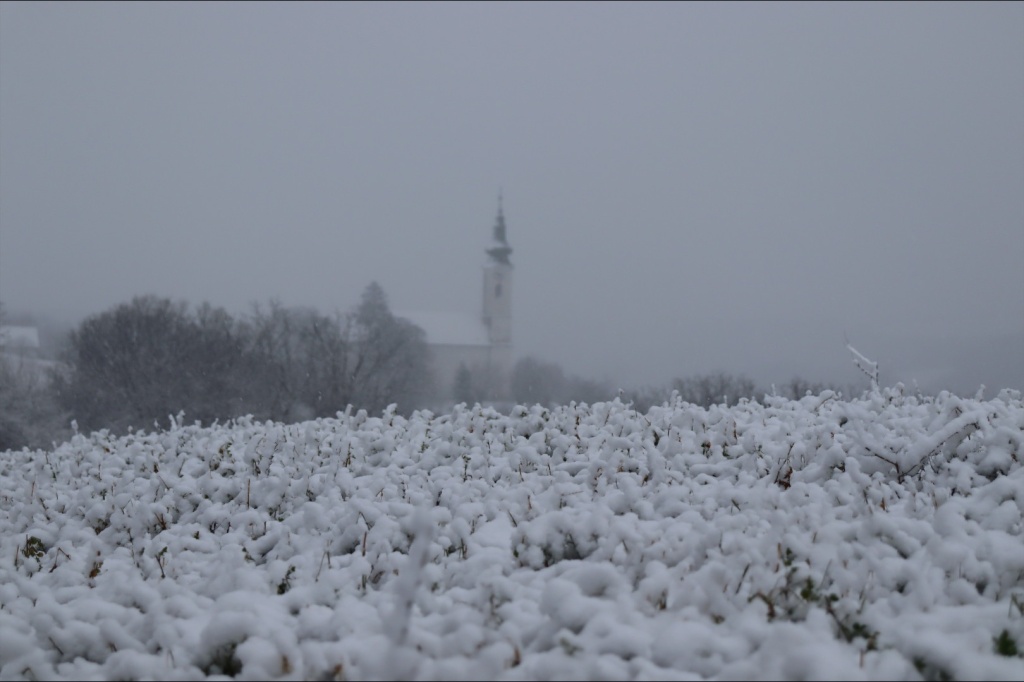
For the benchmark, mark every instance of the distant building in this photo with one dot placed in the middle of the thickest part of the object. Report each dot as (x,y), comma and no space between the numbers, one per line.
(19,340)
(21,353)
(480,344)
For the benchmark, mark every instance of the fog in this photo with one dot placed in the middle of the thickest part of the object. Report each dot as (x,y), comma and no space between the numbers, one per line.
(688,187)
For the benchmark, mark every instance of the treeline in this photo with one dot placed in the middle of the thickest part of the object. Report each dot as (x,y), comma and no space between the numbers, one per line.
(533,381)
(719,388)
(135,365)
(537,381)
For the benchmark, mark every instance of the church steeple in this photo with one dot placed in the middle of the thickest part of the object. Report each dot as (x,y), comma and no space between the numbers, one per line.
(497,308)
(500,250)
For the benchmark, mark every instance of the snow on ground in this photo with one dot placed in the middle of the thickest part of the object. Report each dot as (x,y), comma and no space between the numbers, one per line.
(875,538)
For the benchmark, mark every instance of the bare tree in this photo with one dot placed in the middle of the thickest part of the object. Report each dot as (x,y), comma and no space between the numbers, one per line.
(388,358)
(464,389)
(296,363)
(705,390)
(537,382)
(715,388)
(143,361)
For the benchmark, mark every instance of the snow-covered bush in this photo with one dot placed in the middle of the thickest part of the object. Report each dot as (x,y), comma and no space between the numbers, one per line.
(874,538)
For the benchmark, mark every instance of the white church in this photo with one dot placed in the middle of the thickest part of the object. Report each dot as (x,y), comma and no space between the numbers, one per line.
(482,344)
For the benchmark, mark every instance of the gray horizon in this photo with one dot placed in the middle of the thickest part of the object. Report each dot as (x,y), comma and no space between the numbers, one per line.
(688,188)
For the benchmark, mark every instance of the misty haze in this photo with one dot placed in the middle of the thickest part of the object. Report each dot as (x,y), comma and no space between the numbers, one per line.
(689,189)
(512,341)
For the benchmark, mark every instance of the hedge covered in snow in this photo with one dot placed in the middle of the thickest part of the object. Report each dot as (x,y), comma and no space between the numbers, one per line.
(874,538)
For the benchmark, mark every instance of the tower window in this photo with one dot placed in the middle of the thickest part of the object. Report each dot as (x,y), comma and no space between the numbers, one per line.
(497,290)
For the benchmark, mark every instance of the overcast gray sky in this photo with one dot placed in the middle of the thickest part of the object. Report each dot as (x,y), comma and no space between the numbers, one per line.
(688,187)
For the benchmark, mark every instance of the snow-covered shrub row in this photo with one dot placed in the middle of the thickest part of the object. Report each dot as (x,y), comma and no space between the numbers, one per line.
(878,538)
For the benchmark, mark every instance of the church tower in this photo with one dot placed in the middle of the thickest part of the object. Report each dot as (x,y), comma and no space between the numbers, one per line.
(497,312)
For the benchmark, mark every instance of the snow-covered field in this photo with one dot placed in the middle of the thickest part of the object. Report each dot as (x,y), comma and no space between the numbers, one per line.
(874,538)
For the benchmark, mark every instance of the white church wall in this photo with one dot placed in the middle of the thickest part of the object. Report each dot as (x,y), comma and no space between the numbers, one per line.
(482,344)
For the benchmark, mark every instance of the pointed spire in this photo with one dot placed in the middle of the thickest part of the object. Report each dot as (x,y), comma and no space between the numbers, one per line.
(499,224)
(500,251)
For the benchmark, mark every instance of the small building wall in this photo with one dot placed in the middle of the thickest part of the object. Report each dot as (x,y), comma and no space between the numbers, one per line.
(19,339)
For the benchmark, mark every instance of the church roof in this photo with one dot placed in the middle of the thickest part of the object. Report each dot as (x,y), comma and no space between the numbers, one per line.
(455,329)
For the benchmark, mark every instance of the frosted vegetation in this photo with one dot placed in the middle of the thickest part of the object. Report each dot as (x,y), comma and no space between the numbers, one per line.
(872,538)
